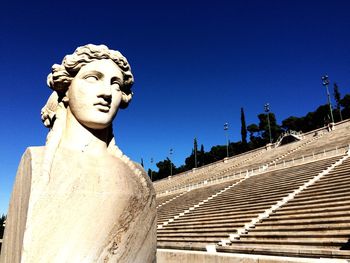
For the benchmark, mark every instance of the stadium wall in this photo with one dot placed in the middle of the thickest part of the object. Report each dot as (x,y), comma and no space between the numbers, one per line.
(184,256)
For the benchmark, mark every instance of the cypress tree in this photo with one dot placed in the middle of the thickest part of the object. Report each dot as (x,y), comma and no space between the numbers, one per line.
(243,127)
(337,98)
(195,147)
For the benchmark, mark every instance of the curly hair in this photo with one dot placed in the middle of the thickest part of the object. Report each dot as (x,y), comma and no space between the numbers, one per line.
(62,75)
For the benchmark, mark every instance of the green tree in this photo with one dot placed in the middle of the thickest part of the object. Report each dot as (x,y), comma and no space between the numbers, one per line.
(258,136)
(164,168)
(202,156)
(253,129)
(195,150)
(218,152)
(345,103)
(151,174)
(264,128)
(2,220)
(255,140)
(337,99)
(190,161)
(243,127)
(292,123)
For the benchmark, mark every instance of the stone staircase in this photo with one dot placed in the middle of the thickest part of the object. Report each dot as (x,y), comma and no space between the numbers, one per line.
(178,206)
(160,201)
(222,216)
(316,223)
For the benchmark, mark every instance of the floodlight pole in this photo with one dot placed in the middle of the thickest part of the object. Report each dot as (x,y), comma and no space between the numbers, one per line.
(325,82)
(267,110)
(225,129)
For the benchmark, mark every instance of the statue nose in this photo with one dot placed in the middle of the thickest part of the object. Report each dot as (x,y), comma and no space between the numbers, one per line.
(106,90)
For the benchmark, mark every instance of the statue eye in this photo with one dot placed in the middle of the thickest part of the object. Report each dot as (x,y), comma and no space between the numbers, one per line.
(91,78)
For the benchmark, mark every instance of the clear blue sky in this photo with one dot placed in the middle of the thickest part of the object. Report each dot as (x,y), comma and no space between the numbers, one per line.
(195,64)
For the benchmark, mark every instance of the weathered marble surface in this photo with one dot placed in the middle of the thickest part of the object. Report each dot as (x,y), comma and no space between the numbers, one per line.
(80,216)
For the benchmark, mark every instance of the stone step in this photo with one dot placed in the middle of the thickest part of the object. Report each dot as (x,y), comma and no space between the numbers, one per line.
(212,219)
(260,181)
(192,239)
(330,186)
(235,211)
(233,218)
(331,214)
(307,210)
(179,223)
(242,194)
(289,207)
(248,188)
(283,228)
(311,202)
(183,245)
(330,180)
(181,227)
(292,234)
(323,191)
(299,251)
(340,171)
(322,196)
(197,234)
(276,177)
(316,242)
(246,201)
(208,229)
(312,221)
(218,205)
(224,213)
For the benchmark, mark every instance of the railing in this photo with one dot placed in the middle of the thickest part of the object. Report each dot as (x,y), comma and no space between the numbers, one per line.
(206,167)
(296,134)
(262,169)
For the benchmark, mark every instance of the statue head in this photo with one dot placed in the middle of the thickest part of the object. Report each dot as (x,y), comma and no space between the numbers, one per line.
(74,80)
(91,84)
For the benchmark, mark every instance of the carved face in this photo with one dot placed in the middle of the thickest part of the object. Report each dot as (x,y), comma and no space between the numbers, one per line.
(94,94)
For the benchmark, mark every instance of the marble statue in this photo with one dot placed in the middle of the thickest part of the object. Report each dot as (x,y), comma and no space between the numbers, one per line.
(79,198)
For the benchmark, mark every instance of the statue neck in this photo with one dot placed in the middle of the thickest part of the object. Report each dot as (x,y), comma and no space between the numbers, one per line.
(80,138)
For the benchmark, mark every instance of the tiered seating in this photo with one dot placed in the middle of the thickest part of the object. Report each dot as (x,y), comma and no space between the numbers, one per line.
(202,173)
(315,223)
(184,202)
(312,143)
(215,219)
(167,198)
(330,140)
(244,162)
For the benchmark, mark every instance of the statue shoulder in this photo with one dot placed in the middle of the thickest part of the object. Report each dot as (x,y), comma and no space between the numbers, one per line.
(140,167)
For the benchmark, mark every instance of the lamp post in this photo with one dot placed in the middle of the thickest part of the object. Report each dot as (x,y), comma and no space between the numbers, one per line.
(225,129)
(325,82)
(267,110)
(171,165)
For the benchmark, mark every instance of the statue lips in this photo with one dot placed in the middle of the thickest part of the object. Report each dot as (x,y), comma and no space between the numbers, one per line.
(103,106)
